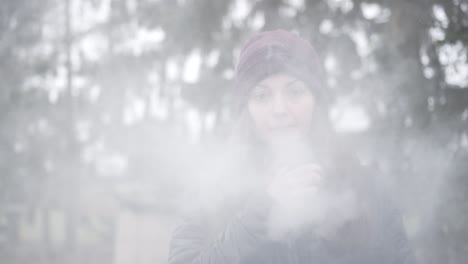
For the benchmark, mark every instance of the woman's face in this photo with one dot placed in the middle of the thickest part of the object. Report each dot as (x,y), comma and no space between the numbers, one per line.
(281,107)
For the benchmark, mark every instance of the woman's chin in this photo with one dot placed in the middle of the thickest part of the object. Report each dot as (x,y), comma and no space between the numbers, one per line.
(286,137)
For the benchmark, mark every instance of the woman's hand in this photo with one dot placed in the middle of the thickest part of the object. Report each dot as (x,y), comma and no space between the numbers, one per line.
(294,182)
(302,201)
(296,199)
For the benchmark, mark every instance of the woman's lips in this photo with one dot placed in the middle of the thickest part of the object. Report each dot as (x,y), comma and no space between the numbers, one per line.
(280,129)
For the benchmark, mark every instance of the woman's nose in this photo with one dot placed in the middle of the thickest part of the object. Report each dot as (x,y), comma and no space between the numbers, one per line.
(279,105)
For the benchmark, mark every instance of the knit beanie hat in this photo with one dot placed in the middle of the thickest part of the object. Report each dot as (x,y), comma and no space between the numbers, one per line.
(279,51)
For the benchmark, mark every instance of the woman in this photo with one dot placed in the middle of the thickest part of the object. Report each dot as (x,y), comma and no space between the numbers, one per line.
(297,199)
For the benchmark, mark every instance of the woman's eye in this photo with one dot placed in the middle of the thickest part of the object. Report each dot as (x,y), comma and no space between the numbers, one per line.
(259,96)
(296,90)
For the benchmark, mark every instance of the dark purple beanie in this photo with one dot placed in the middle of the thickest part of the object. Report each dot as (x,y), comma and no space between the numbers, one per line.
(279,51)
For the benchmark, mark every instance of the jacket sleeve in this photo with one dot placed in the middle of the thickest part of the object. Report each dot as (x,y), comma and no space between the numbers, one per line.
(193,243)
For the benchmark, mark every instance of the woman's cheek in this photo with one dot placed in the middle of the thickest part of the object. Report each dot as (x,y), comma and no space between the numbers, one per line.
(260,121)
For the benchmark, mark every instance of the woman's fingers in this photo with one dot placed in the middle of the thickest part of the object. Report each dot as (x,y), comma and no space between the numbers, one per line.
(306,169)
(302,176)
(305,179)
(298,183)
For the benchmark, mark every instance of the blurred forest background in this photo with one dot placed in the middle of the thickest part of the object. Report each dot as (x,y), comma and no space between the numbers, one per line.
(103,102)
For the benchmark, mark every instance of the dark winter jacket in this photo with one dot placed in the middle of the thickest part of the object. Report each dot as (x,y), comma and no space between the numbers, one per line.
(236,233)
